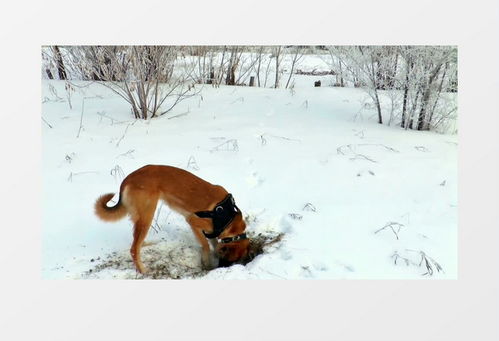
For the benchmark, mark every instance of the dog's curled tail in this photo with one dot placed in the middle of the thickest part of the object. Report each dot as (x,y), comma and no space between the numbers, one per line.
(107,213)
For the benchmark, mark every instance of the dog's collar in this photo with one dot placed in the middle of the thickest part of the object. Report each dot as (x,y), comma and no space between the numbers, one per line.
(222,215)
(233,239)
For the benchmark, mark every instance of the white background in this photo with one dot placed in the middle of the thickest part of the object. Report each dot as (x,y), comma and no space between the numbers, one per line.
(34,309)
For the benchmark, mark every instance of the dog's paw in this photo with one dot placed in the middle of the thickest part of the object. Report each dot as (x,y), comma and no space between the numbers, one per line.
(208,267)
(207,264)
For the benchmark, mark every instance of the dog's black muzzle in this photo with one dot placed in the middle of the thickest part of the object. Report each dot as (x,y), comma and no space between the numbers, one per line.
(223,263)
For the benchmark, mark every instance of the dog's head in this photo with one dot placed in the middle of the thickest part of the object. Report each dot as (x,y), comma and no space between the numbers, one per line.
(230,253)
(233,251)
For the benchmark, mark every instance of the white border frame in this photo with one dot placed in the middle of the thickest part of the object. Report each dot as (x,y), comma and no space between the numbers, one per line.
(463,309)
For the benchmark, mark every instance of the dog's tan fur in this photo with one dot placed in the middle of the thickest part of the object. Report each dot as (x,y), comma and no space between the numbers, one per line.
(184,193)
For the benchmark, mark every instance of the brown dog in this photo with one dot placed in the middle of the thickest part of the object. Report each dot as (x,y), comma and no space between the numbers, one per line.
(209,209)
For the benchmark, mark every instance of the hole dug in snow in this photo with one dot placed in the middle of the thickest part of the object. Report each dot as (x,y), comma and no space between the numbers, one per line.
(168,260)
(260,243)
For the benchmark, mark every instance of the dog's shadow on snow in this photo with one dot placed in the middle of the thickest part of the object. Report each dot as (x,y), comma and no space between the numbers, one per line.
(171,260)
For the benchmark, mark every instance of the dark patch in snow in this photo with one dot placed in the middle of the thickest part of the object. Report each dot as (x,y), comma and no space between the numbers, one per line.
(167,260)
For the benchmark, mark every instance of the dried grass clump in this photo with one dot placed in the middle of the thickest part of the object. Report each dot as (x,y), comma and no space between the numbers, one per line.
(165,261)
(260,242)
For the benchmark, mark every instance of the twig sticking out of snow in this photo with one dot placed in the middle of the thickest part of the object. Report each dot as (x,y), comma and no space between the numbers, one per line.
(69,157)
(379,145)
(229,145)
(295,216)
(362,157)
(368,171)
(351,147)
(103,114)
(81,117)
(123,136)
(406,215)
(271,273)
(182,114)
(394,226)
(69,91)
(357,156)
(396,256)
(192,164)
(117,173)
(240,99)
(53,91)
(264,140)
(82,110)
(421,149)
(309,207)
(360,134)
(47,123)
(428,262)
(128,154)
(218,138)
(155,225)
(285,138)
(70,177)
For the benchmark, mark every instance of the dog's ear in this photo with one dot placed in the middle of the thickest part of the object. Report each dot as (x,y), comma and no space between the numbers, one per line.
(204,214)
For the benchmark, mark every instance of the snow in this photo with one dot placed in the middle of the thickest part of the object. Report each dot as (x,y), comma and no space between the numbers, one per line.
(311,163)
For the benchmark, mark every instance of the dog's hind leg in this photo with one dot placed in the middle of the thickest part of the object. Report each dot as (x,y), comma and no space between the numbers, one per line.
(142,223)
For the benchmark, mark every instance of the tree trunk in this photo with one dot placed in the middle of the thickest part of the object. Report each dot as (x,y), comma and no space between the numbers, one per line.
(231,69)
(228,80)
(60,64)
(404,104)
(438,96)
(375,85)
(276,84)
(426,97)
(277,64)
(220,78)
(211,78)
(260,53)
(49,74)
(414,106)
(378,106)
(341,75)
(394,73)
(406,92)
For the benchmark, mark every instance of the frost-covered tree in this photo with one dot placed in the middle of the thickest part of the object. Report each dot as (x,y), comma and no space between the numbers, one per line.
(415,80)
(368,63)
(61,70)
(428,72)
(53,63)
(296,56)
(144,76)
(234,58)
(277,54)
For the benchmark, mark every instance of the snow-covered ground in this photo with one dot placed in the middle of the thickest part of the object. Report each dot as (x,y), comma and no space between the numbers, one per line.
(354,199)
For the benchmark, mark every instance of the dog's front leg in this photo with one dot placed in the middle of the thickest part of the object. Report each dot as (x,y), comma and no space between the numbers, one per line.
(197,225)
(214,243)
